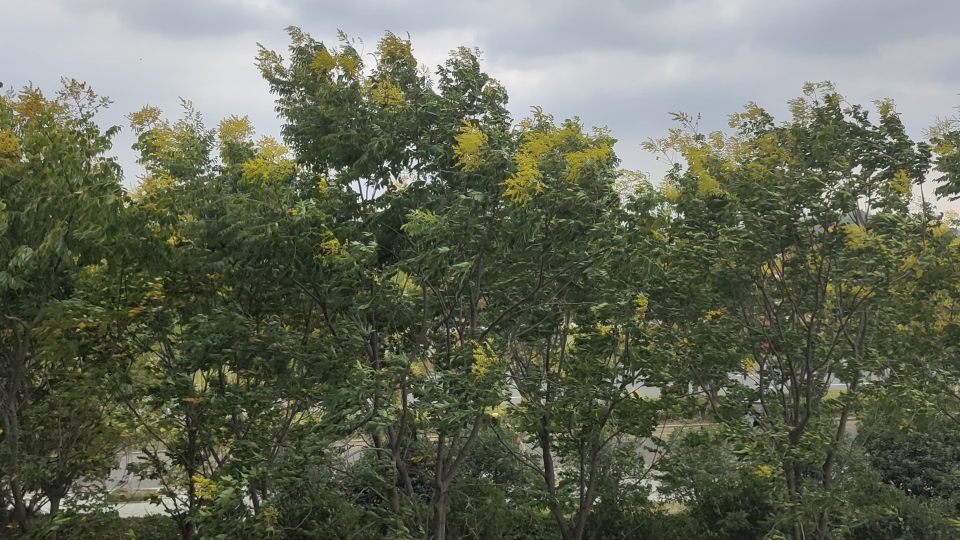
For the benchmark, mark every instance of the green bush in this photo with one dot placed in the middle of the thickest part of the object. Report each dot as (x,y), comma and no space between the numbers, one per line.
(871,509)
(106,526)
(495,496)
(921,462)
(896,515)
(724,496)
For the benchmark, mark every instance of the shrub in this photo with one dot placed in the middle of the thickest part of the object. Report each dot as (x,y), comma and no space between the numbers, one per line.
(724,496)
(894,514)
(921,462)
(106,526)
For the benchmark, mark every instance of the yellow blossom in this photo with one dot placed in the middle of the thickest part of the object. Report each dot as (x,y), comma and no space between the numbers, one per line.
(642,303)
(9,146)
(470,143)
(764,471)
(901,183)
(323,61)
(388,95)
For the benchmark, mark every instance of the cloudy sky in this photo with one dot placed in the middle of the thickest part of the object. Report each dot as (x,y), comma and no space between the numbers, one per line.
(622,64)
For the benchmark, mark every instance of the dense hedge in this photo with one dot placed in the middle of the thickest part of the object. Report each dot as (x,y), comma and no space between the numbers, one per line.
(107,526)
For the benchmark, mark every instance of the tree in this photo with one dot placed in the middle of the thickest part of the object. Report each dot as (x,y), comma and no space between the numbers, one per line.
(791,241)
(416,172)
(61,197)
(580,350)
(223,363)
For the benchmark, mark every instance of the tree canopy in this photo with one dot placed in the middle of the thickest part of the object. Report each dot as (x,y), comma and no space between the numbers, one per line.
(410,316)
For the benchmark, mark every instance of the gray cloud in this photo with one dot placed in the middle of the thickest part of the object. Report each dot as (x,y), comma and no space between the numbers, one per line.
(185,18)
(531,29)
(849,27)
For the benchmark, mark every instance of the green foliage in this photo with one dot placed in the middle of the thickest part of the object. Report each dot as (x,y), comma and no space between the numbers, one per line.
(921,460)
(945,139)
(725,492)
(60,203)
(874,509)
(317,338)
(904,518)
(107,526)
(792,247)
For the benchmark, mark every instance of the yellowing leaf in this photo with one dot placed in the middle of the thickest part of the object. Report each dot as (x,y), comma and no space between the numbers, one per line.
(764,471)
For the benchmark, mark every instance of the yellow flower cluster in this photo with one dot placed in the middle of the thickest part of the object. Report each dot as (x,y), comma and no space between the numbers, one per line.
(235,130)
(542,138)
(332,247)
(579,160)
(271,166)
(901,183)
(388,95)
(856,236)
(9,146)
(485,360)
(324,62)
(393,49)
(470,144)
(642,302)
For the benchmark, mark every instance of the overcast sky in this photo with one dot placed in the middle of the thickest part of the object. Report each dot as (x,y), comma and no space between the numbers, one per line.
(622,64)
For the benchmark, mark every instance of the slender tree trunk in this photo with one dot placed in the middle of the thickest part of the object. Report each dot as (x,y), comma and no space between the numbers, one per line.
(187,528)
(11,426)
(255,500)
(19,507)
(440,513)
(793,498)
(4,511)
(54,510)
(823,527)
(54,505)
(11,429)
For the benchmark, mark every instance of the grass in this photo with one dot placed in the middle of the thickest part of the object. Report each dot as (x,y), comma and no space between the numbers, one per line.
(672,507)
(833,394)
(141,495)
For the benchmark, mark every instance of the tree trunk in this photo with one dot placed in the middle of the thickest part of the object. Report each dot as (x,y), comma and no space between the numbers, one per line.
(54,510)
(11,428)
(4,509)
(19,507)
(54,505)
(186,526)
(440,514)
(13,448)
